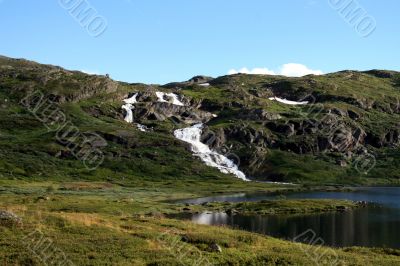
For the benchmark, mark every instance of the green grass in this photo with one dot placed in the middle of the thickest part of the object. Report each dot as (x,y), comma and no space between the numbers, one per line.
(279,207)
(93,104)
(114,214)
(103,223)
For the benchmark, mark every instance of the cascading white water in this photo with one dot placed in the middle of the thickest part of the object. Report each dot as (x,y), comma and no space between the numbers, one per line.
(211,158)
(129,106)
(142,128)
(172,98)
(191,135)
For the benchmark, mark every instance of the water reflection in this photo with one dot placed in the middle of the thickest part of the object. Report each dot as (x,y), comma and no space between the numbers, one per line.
(374,226)
(369,227)
(389,196)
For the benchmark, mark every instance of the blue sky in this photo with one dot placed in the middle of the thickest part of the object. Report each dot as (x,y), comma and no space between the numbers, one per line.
(158,41)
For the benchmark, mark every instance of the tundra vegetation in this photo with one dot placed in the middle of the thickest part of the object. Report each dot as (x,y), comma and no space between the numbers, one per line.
(112,206)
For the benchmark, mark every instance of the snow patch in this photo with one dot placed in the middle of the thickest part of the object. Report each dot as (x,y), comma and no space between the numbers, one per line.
(211,158)
(287,101)
(168,98)
(205,84)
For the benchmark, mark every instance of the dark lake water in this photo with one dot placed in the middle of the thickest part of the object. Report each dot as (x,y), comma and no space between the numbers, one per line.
(375,226)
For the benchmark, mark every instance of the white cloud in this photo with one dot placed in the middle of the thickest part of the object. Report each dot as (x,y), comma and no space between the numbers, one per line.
(289,70)
(254,71)
(298,70)
(91,72)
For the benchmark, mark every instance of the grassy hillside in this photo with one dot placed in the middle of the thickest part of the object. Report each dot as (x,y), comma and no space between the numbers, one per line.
(273,141)
(110,206)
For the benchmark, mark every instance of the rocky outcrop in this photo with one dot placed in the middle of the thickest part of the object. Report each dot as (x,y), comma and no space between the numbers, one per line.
(239,133)
(347,112)
(334,134)
(259,115)
(162,111)
(148,108)
(197,80)
(215,248)
(381,73)
(200,80)
(389,138)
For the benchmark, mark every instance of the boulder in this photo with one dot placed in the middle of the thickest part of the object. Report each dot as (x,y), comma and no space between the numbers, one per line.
(9,219)
(214,247)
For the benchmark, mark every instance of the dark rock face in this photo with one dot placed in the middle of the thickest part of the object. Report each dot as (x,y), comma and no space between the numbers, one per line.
(348,112)
(259,115)
(200,79)
(353,115)
(339,112)
(193,81)
(125,138)
(211,106)
(388,138)
(380,73)
(148,108)
(162,111)
(334,134)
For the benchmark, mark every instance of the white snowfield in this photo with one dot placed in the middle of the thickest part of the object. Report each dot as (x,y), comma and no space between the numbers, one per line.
(172,98)
(211,158)
(287,101)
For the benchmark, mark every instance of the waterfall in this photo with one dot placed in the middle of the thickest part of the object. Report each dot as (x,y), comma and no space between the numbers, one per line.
(129,106)
(171,98)
(190,135)
(211,158)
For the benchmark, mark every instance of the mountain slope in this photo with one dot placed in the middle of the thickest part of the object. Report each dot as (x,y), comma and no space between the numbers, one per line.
(348,132)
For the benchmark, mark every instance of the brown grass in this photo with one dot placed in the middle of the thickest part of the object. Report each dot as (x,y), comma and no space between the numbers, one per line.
(79,186)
